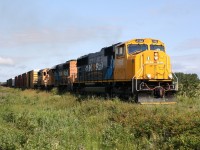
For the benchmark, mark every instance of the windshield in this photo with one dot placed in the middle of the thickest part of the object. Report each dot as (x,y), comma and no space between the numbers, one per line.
(157,47)
(132,48)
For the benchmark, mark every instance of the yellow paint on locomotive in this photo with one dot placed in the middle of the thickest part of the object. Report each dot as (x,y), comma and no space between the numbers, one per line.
(150,64)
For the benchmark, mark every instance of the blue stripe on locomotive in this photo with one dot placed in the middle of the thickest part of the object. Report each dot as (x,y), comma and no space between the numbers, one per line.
(110,69)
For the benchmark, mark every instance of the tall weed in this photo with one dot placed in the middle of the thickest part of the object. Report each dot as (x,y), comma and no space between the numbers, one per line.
(32,119)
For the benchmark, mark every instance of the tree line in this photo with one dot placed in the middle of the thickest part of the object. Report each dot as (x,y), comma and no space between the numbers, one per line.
(189,85)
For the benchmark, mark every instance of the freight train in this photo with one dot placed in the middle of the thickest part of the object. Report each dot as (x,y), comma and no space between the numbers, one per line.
(138,68)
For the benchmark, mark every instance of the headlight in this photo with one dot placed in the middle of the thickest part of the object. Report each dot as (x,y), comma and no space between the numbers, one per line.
(156,57)
(170,76)
(149,76)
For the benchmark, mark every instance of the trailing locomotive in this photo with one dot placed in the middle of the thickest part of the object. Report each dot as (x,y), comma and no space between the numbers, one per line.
(63,75)
(138,68)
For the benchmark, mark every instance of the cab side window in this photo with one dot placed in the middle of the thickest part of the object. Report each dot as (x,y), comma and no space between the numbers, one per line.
(120,51)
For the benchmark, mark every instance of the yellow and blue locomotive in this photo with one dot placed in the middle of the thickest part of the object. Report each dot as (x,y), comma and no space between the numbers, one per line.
(139,68)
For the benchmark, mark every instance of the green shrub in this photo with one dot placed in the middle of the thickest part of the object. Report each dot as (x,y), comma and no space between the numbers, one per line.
(41,120)
(189,85)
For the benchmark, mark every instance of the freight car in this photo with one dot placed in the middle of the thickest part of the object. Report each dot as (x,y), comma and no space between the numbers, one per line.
(20,83)
(139,68)
(24,81)
(10,82)
(32,79)
(16,82)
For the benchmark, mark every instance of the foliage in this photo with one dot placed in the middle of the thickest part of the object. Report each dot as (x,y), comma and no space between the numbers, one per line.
(39,120)
(189,85)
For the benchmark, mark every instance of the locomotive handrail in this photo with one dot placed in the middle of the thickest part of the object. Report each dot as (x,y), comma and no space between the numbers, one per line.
(139,73)
(134,77)
(176,82)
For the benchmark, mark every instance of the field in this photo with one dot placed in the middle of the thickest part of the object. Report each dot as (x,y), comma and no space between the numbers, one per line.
(32,119)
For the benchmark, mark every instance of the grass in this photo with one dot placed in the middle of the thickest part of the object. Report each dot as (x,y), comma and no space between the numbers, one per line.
(32,119)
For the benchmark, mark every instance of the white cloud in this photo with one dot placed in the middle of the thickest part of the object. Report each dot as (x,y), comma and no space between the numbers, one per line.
(189,44)
(70,35)
(186,63)
(6,61)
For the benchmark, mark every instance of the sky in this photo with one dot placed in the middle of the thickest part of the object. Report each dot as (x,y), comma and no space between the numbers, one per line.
(36,34)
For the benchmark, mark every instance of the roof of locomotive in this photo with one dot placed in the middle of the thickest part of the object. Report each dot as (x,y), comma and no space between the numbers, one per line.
(145,39)
(97,53)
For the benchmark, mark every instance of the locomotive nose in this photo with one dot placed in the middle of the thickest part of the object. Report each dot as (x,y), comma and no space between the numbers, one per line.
(156,65)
